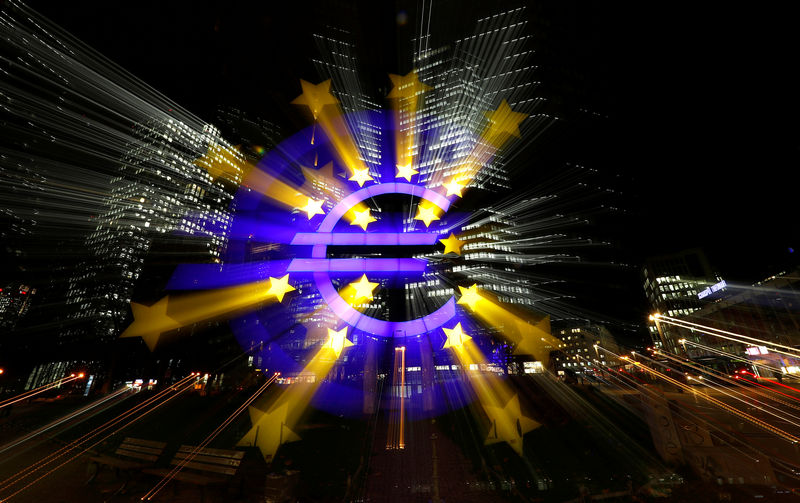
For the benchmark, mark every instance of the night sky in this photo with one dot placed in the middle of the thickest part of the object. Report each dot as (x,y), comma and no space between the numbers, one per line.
(692,110)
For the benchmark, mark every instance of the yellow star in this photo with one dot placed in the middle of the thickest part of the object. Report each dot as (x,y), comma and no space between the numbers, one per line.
(427,214)
(508,424)
(269,430)
(452,244)
(313,207)
(150,322)
(454,187)
(470,296)
(455,337)
(363,218)
(406,171)
(337,341)
(315,97)
(504,120)
(363,289)
(407,86)
(279,287)
(360,176)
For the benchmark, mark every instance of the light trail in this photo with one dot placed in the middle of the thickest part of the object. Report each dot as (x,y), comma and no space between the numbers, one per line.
(150,322)
(166,479)
(395,438)
(761,405)
(724,334)
(497,398)
(682,411)
(75,444)
(785,386)
(41,389)
(267,431)
(731,355)
(50,458)
(735,380)
(728,435)
(773,391)
(326,112)
(63,420)
(747,417)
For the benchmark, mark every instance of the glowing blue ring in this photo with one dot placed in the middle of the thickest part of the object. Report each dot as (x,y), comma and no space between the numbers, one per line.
(345,311)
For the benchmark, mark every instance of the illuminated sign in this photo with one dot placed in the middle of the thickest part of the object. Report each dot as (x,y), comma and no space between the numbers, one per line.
(712,289)
(757,350)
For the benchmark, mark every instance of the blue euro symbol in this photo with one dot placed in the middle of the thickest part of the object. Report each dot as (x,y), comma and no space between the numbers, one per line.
(321,266)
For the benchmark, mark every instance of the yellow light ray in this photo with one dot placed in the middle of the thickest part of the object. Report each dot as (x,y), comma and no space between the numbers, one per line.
(508,424)
(276,189)
(225,162)
(352,297)
(453,187)
(316,96)
(276,425)
(172,312)
(469,296)
(406,96)
(279,287)
(502,125)
(498,400)
(323,183)
(325,110)
(269,430)
(528,332)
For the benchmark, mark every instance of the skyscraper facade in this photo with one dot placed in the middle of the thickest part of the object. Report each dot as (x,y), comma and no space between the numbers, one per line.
(164,190)
(672,284)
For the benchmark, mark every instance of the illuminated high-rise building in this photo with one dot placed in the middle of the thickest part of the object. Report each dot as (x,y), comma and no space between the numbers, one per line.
(586,348)
(763,313)
(673,284)
(468,78)
(174,183)
(337,61)
(15,302)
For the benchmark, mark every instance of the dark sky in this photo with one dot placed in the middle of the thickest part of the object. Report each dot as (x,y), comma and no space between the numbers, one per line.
(701,102)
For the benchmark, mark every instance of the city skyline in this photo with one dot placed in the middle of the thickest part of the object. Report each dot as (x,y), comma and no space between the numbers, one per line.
(551,242)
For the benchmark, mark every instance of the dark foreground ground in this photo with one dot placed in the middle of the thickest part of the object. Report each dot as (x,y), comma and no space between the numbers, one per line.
(586,449)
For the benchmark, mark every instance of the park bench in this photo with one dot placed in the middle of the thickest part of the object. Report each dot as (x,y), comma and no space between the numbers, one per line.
(132,454)
(204,467)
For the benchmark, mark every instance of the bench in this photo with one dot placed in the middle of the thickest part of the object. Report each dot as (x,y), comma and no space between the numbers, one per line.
(204,467)
(132,454)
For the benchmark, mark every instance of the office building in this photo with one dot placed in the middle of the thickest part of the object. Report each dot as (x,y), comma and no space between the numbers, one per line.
(165,191)
(15,302)
(764,317)
(469,77)
(586,349)
(672,284)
